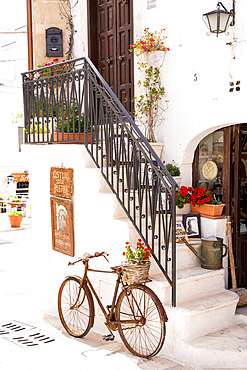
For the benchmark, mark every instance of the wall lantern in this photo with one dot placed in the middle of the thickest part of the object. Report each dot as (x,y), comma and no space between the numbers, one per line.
(218,20)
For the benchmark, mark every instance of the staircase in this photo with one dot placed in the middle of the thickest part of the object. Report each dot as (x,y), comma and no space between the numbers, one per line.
(139,196)
(203,329)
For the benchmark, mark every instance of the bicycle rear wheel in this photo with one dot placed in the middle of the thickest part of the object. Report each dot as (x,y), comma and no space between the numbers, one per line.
(144,338)
(76,310)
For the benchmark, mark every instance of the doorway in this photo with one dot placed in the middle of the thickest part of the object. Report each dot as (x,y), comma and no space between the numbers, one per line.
(110,25)
(227,148)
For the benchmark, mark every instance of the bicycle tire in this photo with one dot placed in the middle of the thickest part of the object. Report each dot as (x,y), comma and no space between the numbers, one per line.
(146,338)
(76,319)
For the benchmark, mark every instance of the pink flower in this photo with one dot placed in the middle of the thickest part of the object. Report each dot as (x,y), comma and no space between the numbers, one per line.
(168,49)
(144,47)
(152,39)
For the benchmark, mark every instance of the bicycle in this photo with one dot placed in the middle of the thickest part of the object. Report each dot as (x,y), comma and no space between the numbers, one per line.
(136,313)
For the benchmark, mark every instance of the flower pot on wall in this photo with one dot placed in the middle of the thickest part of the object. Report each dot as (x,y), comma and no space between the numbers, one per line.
(39,138)
(65,136)
(177,179)
(156,59)
(15,221)
(157,148)
(185,210)
(213,211)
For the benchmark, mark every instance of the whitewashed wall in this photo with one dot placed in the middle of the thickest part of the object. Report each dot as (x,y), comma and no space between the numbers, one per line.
(196,108)
(99,224)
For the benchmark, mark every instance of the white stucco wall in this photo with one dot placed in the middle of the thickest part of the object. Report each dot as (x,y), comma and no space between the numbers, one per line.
(96,228)
(12,161)
(196,108)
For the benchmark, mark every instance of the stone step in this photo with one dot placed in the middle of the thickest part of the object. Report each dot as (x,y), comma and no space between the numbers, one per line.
(193,282)
(225,348)
(201,316)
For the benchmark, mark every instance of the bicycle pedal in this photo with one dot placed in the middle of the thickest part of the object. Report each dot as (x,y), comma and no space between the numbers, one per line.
(108,337)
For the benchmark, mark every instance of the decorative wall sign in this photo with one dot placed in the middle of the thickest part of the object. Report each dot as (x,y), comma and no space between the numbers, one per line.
(20,177)
(210,170)
(151,4)
(62,226)
(62,182)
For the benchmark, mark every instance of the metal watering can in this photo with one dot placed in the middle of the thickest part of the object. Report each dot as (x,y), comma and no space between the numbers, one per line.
(212,253)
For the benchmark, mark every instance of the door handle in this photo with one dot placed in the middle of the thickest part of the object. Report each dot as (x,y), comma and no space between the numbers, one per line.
(120,58)
(108,61)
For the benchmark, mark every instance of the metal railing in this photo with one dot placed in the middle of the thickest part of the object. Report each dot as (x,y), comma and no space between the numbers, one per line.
(72,97)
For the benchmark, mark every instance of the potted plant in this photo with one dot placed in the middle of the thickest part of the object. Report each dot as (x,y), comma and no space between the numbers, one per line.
(71,125)
(37,130)
(137,264)
(183,195)
(203,202)
(174,171)
(14,201)
(148,106)
(15,218)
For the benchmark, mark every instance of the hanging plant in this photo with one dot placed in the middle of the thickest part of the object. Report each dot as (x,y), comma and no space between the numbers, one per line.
(149,43)
(148,106)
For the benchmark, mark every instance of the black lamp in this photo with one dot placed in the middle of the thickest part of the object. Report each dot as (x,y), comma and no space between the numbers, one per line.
(219,20)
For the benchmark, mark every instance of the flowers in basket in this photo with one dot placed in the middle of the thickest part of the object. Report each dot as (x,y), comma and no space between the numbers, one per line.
(137,264)
(141,253)
(149,42)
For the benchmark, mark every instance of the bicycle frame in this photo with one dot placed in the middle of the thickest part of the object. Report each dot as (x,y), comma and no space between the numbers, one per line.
(111,322)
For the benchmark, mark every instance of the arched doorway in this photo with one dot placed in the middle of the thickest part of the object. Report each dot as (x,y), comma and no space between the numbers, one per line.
(227,149)
(110,30)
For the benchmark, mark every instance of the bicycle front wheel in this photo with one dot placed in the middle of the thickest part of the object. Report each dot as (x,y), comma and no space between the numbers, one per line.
(75,307)
(145,335)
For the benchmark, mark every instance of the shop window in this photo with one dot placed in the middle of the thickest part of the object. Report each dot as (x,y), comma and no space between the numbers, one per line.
(210,163)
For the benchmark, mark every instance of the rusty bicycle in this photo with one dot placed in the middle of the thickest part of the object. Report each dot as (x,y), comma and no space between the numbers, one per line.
(136,312)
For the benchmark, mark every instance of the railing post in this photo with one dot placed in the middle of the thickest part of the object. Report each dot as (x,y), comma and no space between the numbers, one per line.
(85,104)
(174,252)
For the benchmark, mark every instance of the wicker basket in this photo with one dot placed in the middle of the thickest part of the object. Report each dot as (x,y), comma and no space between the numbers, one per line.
(135,272)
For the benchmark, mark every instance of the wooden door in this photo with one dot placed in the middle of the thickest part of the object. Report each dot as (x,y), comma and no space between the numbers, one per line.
(239,202)
(114,34)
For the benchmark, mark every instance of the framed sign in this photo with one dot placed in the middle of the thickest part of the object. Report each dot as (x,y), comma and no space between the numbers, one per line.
(62,182)
(62,226)
(192,225)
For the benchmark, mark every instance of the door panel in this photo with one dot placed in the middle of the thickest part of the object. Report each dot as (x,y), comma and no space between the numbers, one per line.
(125,58)
(240,204)
(107,41)
(115,33)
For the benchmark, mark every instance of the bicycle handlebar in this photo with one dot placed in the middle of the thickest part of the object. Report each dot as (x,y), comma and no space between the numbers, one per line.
(89,256)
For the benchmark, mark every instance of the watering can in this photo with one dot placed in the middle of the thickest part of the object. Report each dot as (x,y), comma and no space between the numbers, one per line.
(212,253)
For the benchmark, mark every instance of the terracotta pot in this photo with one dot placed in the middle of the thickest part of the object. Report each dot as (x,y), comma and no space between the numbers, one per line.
(64,136)
(208,210)
(15,221)
(15,204)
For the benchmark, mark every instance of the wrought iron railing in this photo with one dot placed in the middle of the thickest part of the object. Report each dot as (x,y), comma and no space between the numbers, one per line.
(72,97)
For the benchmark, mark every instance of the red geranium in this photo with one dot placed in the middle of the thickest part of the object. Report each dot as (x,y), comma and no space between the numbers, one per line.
(201,196)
